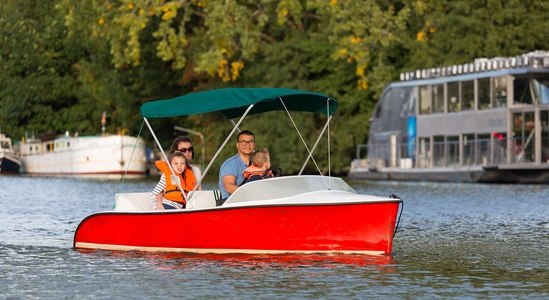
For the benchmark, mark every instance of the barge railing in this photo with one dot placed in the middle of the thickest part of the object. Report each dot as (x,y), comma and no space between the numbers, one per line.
(479,152)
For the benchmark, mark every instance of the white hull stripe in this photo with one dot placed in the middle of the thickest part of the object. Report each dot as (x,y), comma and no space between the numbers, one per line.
(81,245)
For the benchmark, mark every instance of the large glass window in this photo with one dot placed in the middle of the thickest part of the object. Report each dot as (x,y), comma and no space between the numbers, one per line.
(499,91)
(439,151)
(540,88)
(438,98)
(469,157)
(425,100)
(523,137)
(452,151)
(467,95)
(484,93)
(521,88)
(453,97)
(531,90)
(408,102)
(544,120)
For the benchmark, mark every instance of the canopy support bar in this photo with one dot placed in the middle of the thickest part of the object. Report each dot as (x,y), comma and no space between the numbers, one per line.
(304,143)
(234,124)
(227,139)
(166,158)
(316,143)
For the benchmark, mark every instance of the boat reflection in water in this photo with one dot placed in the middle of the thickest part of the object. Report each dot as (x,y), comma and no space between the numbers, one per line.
(172,260)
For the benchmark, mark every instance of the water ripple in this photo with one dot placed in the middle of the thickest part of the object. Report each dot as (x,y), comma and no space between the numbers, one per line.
(454,241)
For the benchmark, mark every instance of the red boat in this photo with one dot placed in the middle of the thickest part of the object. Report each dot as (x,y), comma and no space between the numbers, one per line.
(288,214)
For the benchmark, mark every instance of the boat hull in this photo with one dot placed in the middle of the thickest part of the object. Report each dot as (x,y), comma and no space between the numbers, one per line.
(526,174)
(9,164)
(90,156)
(365,228)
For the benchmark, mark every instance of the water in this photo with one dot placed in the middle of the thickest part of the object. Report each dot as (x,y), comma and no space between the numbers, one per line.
(455,241)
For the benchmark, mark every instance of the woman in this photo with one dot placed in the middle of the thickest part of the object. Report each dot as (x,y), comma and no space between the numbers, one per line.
(182,144)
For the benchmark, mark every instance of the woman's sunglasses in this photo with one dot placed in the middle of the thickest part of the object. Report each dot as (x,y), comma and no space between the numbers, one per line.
(183,150)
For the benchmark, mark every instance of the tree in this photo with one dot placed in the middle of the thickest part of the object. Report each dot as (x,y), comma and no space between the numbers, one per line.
(443,33)
(36,78)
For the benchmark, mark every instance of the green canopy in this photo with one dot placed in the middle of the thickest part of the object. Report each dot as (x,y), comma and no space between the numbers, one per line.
(233,102)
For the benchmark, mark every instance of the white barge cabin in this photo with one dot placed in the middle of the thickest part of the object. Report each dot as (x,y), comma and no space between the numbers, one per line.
(487,121)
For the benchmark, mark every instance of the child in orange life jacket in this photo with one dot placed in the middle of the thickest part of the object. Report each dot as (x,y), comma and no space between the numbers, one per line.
(260,163)
(171,196)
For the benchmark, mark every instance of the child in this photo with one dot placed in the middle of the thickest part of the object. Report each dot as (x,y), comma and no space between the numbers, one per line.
(261,162)
(167,194)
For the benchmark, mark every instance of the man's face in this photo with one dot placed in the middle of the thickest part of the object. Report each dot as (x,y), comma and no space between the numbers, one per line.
(246,144)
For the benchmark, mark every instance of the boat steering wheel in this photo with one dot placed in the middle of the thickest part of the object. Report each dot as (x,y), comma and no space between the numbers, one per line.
(276,170)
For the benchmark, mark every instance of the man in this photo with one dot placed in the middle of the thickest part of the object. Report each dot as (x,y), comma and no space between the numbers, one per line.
(230,173)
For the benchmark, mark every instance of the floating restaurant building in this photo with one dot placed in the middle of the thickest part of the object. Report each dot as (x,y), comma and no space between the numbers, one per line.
(487,121)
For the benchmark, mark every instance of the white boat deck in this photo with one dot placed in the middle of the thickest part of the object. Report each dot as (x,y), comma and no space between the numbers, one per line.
(307,189)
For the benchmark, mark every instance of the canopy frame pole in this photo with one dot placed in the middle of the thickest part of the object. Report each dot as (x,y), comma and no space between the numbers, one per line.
(304,143)
(166,159)
(315,145)
(234,125)
(235,128)
(328,137)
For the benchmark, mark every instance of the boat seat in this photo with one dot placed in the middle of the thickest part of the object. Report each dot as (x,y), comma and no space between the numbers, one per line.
(132,202)
(204,199)
(140,201)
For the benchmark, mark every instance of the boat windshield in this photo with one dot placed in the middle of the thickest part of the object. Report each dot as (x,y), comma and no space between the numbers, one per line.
(287,186)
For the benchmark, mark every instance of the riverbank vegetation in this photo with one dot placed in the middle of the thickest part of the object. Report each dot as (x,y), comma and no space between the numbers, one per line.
(63,62)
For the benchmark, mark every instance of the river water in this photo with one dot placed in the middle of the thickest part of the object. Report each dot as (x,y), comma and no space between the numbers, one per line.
(454,241)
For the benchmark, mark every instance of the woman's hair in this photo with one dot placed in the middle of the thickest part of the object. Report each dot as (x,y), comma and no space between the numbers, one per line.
(179,139)
(260,157)
(176,154)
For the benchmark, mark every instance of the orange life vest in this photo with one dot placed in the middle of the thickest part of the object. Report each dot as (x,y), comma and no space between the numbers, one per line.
(172,191)
(248,174)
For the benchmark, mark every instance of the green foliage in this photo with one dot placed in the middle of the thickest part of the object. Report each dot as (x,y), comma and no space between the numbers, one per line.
(453,32)
(36,76)
(64,62)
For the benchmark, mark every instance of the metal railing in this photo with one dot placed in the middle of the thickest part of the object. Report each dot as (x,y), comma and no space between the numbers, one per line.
(480,152)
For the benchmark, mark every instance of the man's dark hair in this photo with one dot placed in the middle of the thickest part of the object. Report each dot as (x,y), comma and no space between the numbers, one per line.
(244,132)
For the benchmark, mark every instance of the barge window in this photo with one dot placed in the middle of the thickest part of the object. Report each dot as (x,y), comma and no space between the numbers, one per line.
(484,93)
(438,98)
(499,91)
(408,102)
(521,89)
(544,120)
(540,88)
(439,151)
(425,100)
(431,99)
(468,95)
(452,150)
(469,154)
(377,112)
(523,136)
(531,90)
(453,97)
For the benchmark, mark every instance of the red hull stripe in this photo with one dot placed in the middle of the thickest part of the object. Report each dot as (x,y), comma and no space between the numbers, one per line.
(343,228)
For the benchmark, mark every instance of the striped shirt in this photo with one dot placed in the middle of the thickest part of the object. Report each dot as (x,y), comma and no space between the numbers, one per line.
(161,186)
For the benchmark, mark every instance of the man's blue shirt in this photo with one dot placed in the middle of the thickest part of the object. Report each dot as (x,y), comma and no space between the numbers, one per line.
(232,166)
